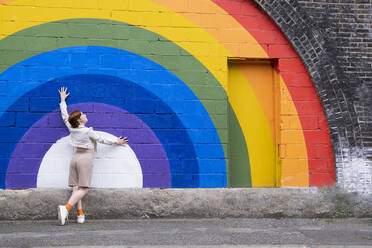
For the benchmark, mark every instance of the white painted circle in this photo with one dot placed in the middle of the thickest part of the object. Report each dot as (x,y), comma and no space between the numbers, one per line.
(114,166)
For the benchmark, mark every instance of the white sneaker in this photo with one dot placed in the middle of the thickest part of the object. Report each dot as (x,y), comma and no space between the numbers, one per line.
(81,219)
(62,214)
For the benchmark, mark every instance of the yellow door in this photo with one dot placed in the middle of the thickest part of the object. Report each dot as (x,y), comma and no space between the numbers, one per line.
(252,83)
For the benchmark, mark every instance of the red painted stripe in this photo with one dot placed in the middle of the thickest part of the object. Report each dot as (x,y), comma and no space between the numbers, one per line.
(300,86)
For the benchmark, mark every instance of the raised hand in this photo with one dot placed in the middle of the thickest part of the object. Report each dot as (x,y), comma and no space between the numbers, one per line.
(122,141)
(62,93)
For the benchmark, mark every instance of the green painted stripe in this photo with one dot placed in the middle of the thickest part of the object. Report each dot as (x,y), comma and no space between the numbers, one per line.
(99,32)
(239,166)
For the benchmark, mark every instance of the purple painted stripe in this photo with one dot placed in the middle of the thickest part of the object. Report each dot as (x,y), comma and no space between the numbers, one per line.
(27,156)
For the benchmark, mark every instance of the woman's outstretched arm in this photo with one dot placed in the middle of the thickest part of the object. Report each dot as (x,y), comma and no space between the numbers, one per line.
(63,106)
(96,136)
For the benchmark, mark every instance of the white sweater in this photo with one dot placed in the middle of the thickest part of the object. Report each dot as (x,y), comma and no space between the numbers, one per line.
(82,136)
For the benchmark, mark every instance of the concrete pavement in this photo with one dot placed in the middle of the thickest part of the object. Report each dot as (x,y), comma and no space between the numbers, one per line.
(196,233)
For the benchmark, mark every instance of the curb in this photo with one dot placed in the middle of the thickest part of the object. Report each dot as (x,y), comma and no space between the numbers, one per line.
(37,204)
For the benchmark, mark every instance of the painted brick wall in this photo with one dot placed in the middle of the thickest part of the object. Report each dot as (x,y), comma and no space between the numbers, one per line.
(173,59)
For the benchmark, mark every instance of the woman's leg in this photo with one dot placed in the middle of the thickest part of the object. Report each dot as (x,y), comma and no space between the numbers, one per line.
(78,205)
(77,195)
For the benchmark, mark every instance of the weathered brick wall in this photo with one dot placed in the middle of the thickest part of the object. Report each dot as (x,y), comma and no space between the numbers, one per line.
(347,28)
(334,39)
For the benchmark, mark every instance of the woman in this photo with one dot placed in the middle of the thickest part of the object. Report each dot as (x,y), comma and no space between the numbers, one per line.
(84,140)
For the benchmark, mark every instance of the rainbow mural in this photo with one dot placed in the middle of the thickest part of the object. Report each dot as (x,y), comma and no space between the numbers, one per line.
(158,72)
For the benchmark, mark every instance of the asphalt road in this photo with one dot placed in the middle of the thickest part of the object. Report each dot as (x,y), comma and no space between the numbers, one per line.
(195,233)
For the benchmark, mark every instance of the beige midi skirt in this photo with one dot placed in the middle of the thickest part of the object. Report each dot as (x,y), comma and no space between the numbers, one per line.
(81,168)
